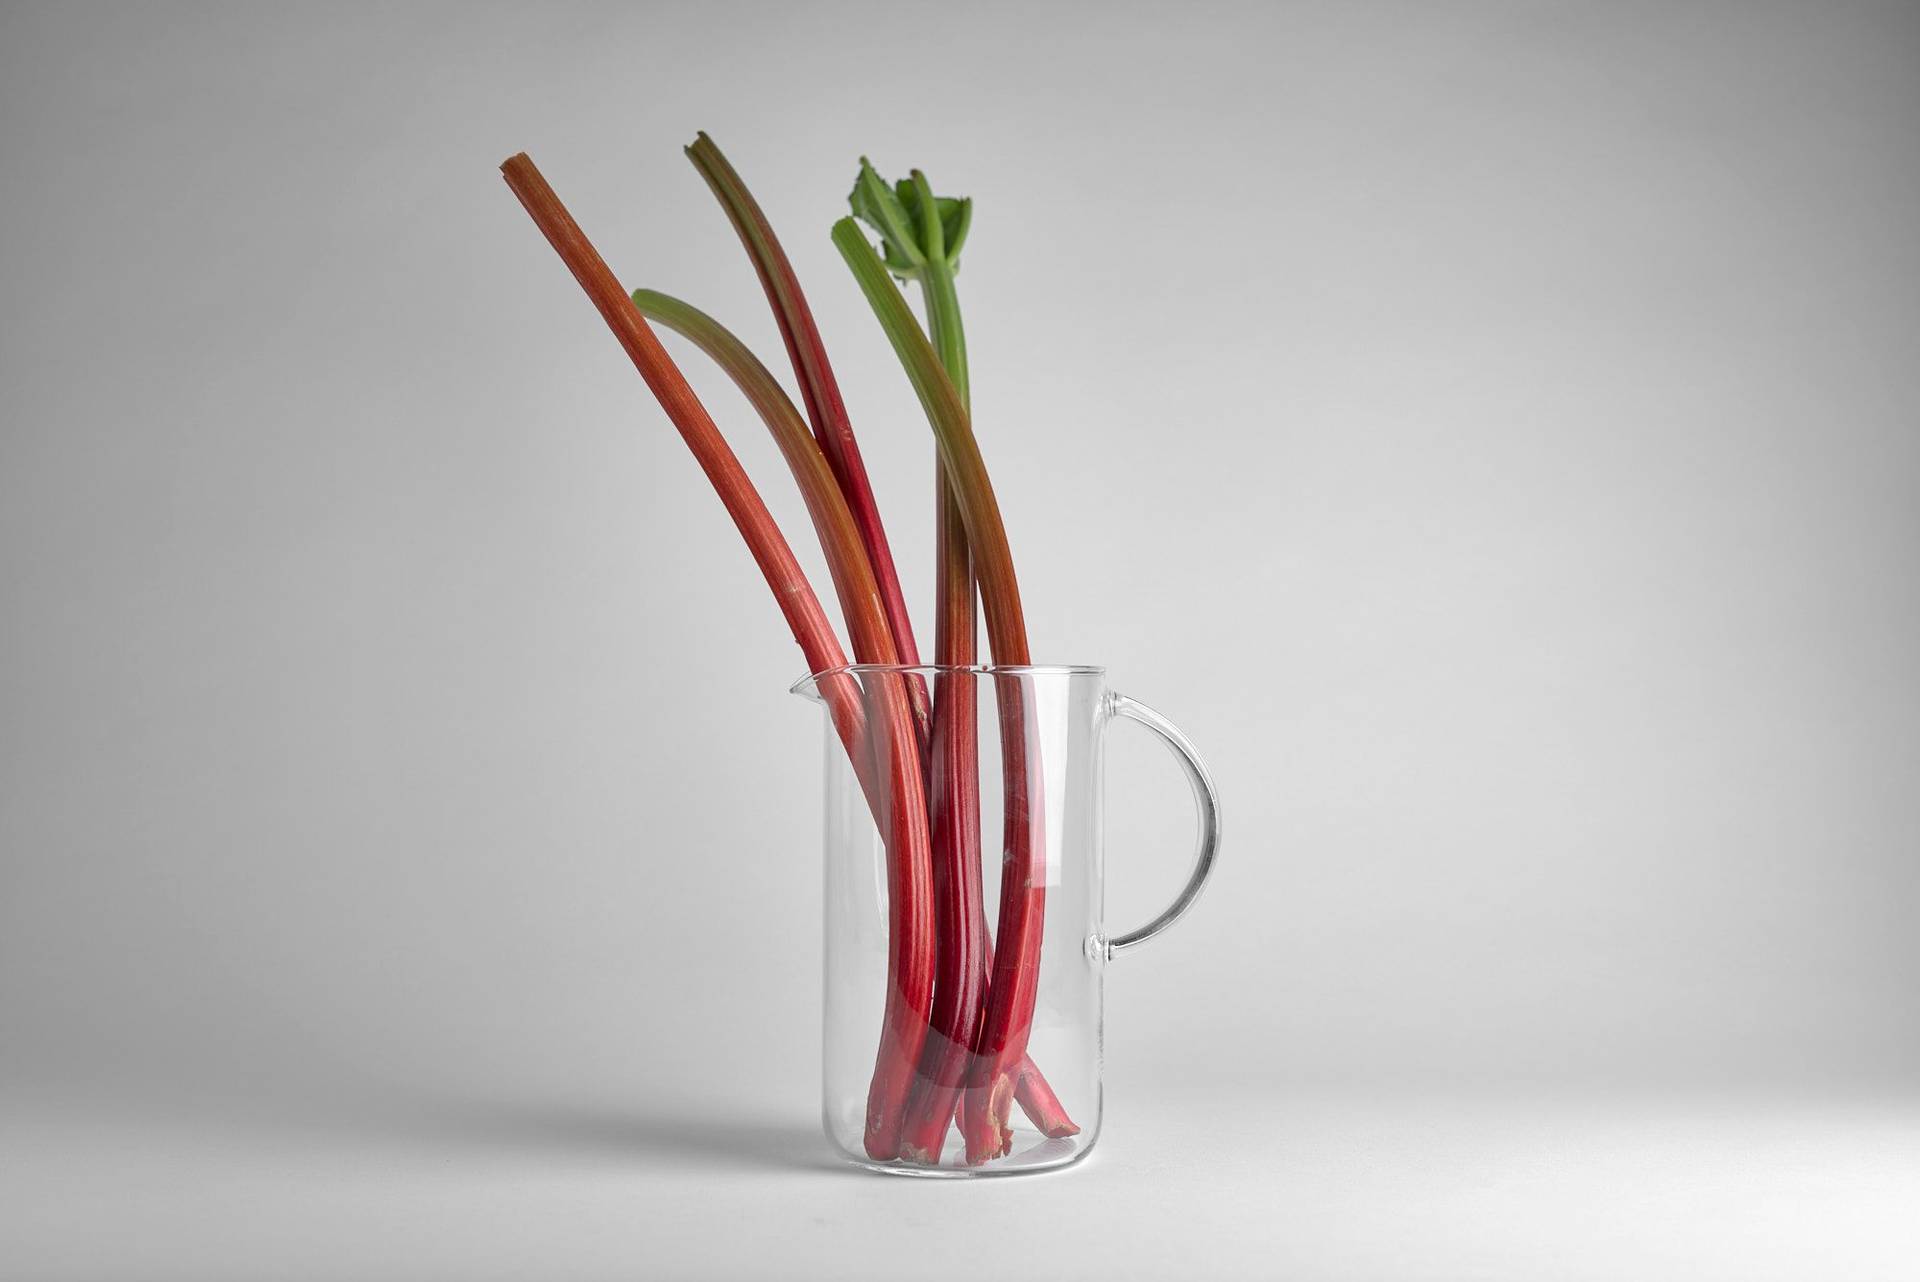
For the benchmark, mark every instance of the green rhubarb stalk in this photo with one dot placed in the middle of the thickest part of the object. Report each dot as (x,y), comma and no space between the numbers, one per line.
(936,229)
(1000,1046)
(965,469)
(915,246)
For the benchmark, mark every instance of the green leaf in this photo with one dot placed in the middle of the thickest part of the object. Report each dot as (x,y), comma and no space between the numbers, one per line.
(957,217)
(897,212)
(880,207)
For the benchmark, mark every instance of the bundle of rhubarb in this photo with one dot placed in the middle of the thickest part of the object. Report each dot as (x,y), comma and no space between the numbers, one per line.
(959,1002)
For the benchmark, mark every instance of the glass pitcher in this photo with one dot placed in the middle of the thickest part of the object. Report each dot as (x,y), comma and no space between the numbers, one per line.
(948,1051)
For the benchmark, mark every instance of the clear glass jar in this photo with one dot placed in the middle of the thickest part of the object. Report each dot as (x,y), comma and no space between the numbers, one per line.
(946,1052)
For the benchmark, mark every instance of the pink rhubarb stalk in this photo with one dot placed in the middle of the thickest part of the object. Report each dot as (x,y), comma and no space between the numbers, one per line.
(1042,1107)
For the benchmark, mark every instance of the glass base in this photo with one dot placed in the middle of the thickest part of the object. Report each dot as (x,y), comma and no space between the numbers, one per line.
(1033,1154)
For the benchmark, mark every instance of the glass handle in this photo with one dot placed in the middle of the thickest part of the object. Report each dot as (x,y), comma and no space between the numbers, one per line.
(1206,800)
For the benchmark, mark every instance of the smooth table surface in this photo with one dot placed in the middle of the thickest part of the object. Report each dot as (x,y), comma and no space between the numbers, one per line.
(1280,1184)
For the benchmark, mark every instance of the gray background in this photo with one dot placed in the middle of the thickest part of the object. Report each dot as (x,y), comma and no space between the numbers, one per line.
(1489,429)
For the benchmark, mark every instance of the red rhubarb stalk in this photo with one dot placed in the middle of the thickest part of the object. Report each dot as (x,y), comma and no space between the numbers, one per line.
(892,769)
(1001,1046)
(960,954)
(921,238)
(819,390)
(911,247)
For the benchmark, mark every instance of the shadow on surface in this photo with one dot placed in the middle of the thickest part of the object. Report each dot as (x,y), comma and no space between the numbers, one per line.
(690,1139)
(476,1128)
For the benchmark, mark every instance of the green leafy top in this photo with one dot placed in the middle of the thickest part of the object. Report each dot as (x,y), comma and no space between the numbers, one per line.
(916,227)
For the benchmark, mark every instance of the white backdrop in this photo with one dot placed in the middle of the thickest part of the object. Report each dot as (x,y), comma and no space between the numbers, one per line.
(1488,430)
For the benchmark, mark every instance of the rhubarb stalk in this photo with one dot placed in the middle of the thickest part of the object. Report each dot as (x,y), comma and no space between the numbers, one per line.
(819,390)
(890,763)
(921,236)
(1000,1048)
(911,932)
(847,561)
(918,248)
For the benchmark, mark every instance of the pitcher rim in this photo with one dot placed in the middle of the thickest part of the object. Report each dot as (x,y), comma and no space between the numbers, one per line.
(805,686)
